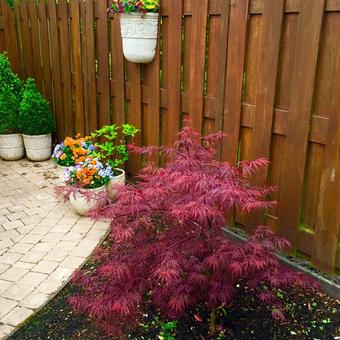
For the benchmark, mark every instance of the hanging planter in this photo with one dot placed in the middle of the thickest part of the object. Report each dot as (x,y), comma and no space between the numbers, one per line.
(139,28)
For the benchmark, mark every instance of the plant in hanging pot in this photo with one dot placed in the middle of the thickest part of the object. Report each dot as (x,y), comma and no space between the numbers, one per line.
(86,181)
(37,123)
(139,28)
(70,152)
(113,154)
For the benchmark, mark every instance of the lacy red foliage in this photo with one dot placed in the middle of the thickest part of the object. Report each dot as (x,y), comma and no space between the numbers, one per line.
(168,244)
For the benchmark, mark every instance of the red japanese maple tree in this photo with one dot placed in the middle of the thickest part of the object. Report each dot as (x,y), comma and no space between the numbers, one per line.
(168,243)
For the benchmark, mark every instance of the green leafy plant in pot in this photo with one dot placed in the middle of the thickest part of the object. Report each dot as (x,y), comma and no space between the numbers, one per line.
(11,143)
(112,150)
(37,123)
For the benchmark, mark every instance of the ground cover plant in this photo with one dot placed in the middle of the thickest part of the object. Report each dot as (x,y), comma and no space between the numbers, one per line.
(167,245)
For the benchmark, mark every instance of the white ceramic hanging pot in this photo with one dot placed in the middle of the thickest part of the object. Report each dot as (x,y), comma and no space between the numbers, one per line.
(139,35)
(38,148)
(115,182)
(81,204)
(11,147)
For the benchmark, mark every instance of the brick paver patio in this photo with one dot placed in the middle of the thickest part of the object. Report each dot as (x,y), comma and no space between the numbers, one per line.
(42,241)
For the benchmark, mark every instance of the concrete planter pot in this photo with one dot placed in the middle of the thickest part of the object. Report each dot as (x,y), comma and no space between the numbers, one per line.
(38,148)
(115,182)
(139,35)
(60,171)
(11,147)
(81,204)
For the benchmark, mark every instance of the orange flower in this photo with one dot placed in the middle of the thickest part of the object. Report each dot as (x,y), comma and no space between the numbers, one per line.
(63,157)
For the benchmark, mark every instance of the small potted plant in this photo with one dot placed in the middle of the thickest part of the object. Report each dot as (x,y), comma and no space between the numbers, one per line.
(37,123)
(87,180)
(11,143)
(113,154)
(139,28)
(71,151)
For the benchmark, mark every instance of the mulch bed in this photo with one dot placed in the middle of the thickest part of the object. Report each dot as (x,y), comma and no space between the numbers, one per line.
(310,316)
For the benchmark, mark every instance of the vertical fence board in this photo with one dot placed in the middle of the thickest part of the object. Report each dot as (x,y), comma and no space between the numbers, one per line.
(90,84)
(2,31)
(328,213)
(164,77)
(299,118)
(118,72)
(36,59)
(266,88)
(135,111)
(26,40)
(217,61)
(65,66)
(10,38)
(197,63)
(103,81)
(45,51)
(56,69)
(79,117)
(151,126)
(172,119)
(234,79)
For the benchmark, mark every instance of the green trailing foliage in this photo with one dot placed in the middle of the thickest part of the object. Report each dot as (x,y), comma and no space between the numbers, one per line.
(36,116)
(114,154)
(9,111)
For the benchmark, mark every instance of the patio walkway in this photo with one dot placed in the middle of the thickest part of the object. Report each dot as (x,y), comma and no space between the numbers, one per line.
(42,241)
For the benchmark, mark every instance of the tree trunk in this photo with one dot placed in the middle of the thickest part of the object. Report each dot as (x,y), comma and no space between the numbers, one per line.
(212,322)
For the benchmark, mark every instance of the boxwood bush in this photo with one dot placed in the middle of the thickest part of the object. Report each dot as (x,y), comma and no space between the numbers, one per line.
(36,116)
(8,78)
(11,90)
(9,111)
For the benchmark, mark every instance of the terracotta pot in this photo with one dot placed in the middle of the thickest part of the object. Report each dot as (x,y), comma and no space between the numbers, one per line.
(11,147)
(139,34)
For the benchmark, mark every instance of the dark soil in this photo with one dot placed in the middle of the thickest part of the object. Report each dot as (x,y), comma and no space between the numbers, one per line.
(309,316)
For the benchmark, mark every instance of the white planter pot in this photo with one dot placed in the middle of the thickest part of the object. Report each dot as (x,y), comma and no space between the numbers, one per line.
(11,147)
(60,171)
(115,182)
(139,34)
(38,148)
(81,204)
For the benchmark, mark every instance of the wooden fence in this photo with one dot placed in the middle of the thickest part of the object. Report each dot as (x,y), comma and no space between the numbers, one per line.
(265,72)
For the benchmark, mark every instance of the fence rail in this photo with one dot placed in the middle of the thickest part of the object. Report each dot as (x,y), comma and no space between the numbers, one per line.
(265,72)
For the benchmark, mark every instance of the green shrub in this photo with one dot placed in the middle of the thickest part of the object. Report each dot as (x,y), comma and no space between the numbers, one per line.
(36,116)
(9,110)
(105,149)
(8,78)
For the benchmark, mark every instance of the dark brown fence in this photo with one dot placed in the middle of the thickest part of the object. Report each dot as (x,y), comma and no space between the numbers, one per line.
(265,72)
